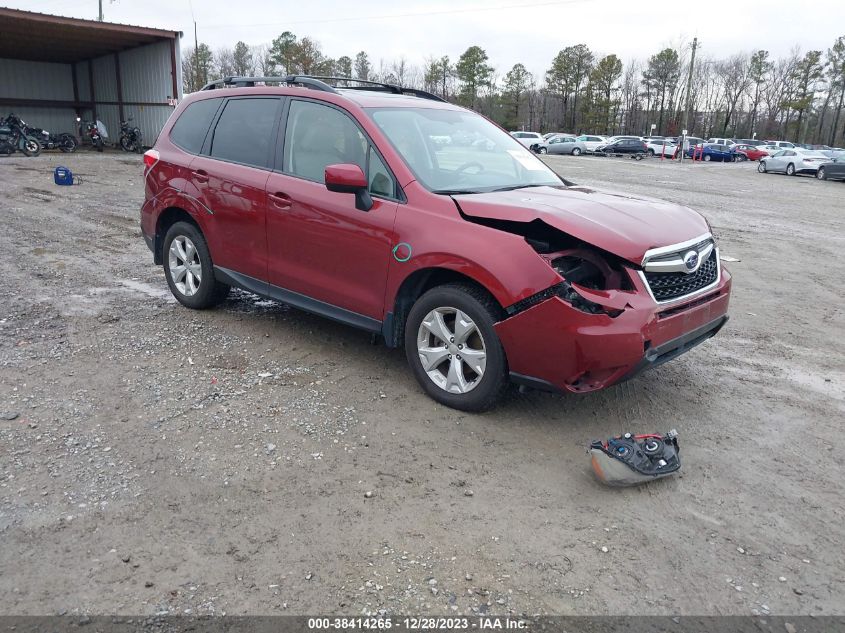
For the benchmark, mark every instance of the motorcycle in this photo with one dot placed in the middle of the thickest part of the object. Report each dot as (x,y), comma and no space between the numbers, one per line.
(94,131)
(130,137)
(64,142)
(13,137)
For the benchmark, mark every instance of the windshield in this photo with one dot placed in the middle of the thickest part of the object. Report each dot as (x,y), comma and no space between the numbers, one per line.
(454,151)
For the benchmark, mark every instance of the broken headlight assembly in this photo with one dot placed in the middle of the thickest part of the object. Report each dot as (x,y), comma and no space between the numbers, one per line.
(590,283)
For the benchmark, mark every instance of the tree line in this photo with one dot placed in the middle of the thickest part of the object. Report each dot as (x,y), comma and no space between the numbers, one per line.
(798,96)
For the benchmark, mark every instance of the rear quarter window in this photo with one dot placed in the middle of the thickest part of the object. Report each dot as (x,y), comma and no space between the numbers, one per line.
(190,129)
(244,131)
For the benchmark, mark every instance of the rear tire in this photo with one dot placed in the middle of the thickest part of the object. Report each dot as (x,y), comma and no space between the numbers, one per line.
(480,310)
(576,151)
(707,158)
(199,289)
(820,174)
(790,169)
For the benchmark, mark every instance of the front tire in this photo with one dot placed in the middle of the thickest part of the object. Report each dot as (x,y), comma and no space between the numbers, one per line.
(542,150)
(453,349)
(790,169)
(707,158)
(820,174)
(761,167)
(30,147)
(189,269)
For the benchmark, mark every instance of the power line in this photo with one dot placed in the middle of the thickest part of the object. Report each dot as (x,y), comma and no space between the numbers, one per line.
(391,16)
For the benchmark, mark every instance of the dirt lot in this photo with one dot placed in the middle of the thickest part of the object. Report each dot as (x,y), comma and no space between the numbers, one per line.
(168,461)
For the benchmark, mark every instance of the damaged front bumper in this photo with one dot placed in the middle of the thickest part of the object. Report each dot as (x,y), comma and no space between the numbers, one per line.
(554,346)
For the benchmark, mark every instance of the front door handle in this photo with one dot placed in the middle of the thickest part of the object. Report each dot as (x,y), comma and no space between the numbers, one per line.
(200,175)
(280,200)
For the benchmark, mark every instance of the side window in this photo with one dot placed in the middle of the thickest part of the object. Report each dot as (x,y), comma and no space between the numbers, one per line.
(319,135)
(244,131)
(190,129)
(381,182)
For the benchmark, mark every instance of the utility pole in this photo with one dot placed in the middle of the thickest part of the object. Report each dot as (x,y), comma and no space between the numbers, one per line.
(689,95)
(101,11)
(196,59)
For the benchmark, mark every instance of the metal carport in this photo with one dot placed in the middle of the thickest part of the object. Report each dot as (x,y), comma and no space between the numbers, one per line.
(53,69)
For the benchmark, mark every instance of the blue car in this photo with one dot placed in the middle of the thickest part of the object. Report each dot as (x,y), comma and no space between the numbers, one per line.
(713,151)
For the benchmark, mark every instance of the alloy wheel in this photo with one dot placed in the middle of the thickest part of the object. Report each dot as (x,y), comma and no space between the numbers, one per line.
(790,169)
(542,150)
(820,173)
(185,266)
(451,350)
(761,167)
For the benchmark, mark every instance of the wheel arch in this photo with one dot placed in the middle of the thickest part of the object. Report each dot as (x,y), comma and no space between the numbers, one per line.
(167,218)
(413,287)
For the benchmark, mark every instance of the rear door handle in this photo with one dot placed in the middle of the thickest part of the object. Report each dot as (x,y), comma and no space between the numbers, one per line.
(280,200)
(200,175)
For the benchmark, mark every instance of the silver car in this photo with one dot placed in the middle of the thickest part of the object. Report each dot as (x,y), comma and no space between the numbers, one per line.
(560,144)
(792,161)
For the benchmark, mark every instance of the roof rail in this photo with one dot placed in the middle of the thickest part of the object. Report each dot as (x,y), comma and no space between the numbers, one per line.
(248,82)
(379,86)
(318,82)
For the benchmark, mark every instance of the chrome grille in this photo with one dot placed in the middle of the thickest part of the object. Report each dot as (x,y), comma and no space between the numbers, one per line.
(669,286)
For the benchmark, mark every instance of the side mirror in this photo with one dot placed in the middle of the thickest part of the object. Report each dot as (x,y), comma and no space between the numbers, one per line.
(349,178)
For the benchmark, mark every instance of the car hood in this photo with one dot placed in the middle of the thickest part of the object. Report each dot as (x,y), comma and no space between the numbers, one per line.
(621,224)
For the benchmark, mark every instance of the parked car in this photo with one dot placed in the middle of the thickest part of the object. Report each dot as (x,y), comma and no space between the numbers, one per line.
(666,147)
(691,141)
(749,152)
(832,170)
(781,144)
(559,144)
(722,141)
(591,141)
(712,152)
(623,146)
(613,139)
(747,141)
(792,162)
(528,138)
(337,201)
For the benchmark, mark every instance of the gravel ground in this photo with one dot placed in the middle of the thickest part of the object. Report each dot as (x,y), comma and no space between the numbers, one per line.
(257,459)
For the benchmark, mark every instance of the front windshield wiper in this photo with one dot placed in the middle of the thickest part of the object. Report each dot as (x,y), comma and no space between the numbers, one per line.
(454,192)
(514,187)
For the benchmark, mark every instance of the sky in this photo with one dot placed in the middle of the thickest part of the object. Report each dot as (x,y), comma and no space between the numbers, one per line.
(530,31)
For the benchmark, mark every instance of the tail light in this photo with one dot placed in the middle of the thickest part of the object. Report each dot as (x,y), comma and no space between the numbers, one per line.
(151,157)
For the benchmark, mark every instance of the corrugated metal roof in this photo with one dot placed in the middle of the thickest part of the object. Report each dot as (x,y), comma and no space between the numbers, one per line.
(52,38)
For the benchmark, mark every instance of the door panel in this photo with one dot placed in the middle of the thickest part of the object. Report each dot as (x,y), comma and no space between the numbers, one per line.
(231,177)
(235,197)
(320,245)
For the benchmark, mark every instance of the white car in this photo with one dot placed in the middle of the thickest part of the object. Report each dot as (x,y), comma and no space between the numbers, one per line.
(665,146)
(591,142)
(793,161)
(782,144)
(528,138)
(722,141)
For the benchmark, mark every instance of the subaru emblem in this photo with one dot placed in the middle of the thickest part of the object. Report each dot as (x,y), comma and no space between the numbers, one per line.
(691,261)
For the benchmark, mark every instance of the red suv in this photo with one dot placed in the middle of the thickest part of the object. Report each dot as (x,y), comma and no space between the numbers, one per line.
(422,222)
